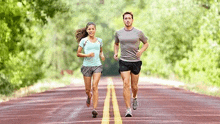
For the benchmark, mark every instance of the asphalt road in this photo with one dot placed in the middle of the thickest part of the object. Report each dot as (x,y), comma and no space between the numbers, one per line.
(157,104)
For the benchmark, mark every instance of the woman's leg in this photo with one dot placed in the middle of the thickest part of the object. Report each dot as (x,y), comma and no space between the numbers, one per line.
(96,78)
(87,81)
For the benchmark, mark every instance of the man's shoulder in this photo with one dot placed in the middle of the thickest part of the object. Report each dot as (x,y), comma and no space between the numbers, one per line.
(120,30)
(123,30)
(137,30)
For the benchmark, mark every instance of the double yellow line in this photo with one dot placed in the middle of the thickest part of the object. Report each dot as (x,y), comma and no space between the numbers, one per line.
(117,116)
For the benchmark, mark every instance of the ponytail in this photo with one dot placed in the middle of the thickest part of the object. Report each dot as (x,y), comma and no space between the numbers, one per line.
(81,33)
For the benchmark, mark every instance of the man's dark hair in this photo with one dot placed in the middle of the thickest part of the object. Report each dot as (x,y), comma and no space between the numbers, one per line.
(128,13)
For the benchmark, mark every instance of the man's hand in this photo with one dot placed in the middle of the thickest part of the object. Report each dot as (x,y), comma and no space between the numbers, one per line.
(116,57)
(139,53)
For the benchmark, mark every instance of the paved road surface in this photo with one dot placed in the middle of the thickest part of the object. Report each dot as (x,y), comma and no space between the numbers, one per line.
(157,105)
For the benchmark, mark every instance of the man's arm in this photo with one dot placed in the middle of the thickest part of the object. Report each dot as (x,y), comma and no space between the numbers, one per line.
(116,47)
(144,47)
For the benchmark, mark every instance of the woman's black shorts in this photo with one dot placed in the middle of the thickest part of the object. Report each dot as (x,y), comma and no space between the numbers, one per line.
(134,67)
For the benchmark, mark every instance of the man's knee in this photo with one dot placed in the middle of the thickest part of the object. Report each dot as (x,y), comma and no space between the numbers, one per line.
(134,87)
(95,88)
(126,83)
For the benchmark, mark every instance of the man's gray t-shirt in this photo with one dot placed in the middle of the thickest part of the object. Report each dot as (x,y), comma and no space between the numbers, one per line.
(129,43)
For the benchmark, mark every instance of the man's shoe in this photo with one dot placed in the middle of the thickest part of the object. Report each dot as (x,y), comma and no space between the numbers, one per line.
(94,113)
(128,113)
(135,103)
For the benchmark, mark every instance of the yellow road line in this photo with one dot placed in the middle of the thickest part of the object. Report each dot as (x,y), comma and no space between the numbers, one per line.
(117,116)
(105,118)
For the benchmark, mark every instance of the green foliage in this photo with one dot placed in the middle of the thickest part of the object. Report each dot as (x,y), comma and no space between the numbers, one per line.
(202,64)
(18,64)
(46,8)
(5,86)
(23,70)
(37,37)
(155,65)
(173,28)
(10,29)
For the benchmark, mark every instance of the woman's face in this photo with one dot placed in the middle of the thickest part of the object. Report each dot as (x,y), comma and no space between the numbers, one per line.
(91,30)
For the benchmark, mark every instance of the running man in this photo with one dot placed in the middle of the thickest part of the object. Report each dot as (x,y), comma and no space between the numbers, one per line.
(92,66)
(129,64)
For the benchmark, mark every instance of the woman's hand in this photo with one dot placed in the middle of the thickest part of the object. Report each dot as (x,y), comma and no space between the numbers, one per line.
(90,55)
(116,57)
(102,56)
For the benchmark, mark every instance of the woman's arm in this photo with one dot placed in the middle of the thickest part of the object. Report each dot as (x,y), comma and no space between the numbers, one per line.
(102,55)
(79,54)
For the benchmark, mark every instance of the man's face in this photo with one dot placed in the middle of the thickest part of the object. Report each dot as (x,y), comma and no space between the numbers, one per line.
(128,20)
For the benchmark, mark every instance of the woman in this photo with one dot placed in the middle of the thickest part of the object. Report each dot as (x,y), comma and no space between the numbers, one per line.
(92,66)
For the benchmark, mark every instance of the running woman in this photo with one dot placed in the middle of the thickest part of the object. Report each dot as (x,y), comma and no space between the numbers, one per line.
(129,39)
(92,66)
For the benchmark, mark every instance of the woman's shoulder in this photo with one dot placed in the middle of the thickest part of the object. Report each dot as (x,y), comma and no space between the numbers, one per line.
(84,39)
(99,39)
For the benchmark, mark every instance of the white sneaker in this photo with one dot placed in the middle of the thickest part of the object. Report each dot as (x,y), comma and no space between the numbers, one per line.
(128,113)
(135,103)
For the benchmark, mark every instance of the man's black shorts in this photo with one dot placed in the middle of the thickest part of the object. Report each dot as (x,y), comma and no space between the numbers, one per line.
(134,67)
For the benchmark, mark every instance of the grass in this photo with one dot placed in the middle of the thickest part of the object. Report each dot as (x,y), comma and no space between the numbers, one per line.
(196,87)
(40,86)
(202,88)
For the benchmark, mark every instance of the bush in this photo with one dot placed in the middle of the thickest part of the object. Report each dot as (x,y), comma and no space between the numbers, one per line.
(155,64)
(202,64)
(5,86)
(23,70)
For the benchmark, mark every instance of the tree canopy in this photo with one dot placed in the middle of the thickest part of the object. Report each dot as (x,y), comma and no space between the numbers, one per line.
(37,37)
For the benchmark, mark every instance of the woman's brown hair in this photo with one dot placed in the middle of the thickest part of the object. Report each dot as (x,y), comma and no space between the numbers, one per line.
(81,33)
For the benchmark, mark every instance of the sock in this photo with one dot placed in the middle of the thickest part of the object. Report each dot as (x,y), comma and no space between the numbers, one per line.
(135,97)
(129,109)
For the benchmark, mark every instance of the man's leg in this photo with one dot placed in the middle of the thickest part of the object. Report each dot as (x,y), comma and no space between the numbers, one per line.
(126,87)
(134,84)
(134,87)
(126,92)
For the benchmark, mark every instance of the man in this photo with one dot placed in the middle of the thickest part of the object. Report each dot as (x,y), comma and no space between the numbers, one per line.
(129,63)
